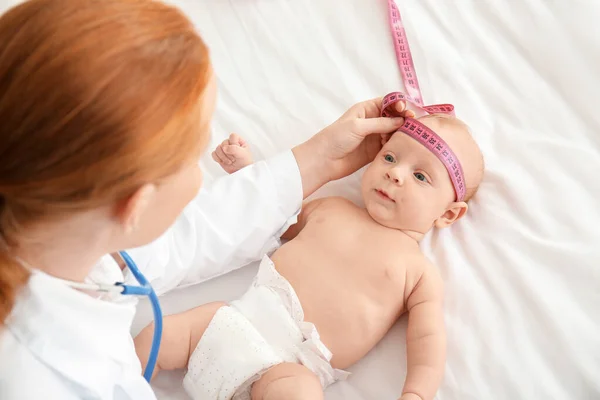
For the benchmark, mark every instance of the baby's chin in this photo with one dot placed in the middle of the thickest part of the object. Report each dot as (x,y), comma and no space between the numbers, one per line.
(385,217)
(381,215)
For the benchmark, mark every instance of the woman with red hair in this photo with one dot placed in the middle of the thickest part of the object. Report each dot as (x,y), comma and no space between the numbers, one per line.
(105,109)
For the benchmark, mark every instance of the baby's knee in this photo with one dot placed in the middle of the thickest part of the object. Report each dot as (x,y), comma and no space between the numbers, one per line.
(288,381)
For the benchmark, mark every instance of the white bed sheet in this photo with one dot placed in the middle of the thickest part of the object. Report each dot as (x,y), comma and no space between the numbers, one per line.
(522,269)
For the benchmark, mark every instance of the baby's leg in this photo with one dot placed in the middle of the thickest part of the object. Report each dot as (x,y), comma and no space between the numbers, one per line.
(288,382)
(181,334)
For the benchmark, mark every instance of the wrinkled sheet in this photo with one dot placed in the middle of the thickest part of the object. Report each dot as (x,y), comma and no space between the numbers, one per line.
(522,270)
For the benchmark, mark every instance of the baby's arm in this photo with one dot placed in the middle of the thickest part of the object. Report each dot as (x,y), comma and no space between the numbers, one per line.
(233,154)
(425,338)
(307,209)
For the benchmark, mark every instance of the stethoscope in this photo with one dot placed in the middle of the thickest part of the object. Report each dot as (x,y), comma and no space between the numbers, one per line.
(145,289)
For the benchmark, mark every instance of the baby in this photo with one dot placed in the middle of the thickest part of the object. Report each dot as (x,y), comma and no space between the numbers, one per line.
(330,294)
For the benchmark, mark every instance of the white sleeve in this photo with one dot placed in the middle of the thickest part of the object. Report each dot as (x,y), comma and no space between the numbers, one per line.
(232,222)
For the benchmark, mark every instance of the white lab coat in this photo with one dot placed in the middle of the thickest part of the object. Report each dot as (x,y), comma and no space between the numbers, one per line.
(60,343)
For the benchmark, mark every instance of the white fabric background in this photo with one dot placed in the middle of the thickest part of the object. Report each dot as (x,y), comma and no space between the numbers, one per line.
(522,270)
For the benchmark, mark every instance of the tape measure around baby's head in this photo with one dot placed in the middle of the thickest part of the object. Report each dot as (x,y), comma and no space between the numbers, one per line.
(434,143)
(395,97)
(431,140)
(403,54)
(412,127)
(407,69)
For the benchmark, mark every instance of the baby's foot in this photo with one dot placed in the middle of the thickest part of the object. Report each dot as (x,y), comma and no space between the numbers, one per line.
(233,154)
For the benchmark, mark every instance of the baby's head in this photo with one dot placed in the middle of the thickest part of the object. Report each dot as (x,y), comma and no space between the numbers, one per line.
(408,188)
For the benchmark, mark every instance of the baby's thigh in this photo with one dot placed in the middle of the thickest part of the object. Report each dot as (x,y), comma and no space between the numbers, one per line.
(197,320)
(288,381)
(180,336)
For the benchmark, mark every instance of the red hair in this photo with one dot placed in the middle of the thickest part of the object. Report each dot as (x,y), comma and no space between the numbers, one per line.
(96,99)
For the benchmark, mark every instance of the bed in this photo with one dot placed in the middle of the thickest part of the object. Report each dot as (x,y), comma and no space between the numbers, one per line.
(522,270)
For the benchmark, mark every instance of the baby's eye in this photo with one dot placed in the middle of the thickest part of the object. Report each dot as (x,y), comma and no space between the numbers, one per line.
(420,177)
(389,158)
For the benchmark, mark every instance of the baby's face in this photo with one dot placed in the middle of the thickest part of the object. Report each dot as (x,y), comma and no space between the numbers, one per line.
(407,187)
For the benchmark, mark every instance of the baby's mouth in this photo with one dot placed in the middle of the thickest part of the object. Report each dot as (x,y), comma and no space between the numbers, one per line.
(384,195)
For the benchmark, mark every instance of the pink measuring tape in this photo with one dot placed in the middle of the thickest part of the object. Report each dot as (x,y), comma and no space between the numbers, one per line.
(421,133)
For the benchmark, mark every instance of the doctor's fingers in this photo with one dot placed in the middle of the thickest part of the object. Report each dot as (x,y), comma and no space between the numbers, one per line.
(408,114)
(381,125)
(385,137)
(366,109)
(372,109)
(399,109)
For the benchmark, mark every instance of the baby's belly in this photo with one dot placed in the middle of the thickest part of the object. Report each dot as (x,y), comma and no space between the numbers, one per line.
(352,306)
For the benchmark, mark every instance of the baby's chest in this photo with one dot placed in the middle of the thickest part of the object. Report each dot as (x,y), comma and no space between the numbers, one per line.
(361,246)
(342,231)
(349,228)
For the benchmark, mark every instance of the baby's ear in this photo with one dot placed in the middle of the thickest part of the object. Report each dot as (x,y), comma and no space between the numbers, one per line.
(455,212)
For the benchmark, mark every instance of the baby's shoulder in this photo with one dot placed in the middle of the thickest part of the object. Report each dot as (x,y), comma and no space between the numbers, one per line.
(331,204)
(336,201)
(424,275)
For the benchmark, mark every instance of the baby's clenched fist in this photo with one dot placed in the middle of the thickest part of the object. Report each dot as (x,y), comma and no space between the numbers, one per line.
(233,154)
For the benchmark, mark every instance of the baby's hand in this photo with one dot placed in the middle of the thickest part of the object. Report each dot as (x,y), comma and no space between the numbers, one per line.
(399,110)
(233,154)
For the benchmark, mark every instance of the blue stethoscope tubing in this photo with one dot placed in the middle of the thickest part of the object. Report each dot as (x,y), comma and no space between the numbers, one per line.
(145,289)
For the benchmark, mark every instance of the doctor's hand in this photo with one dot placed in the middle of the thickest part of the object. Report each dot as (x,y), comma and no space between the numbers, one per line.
(346,145)
(410,396)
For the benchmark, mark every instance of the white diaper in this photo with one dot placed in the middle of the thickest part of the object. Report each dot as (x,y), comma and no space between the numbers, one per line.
(264,328)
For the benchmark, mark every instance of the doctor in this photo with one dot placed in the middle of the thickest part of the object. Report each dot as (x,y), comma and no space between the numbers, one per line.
(105,108)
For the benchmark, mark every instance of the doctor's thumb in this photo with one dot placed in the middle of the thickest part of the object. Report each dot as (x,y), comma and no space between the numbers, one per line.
(379,125)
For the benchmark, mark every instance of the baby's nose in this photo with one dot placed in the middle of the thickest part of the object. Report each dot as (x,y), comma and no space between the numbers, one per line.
(395,177)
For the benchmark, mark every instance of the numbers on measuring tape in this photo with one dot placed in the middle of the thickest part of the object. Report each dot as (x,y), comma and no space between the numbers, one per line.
(403,54)
(440,148)
(411,127)
(429,138)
